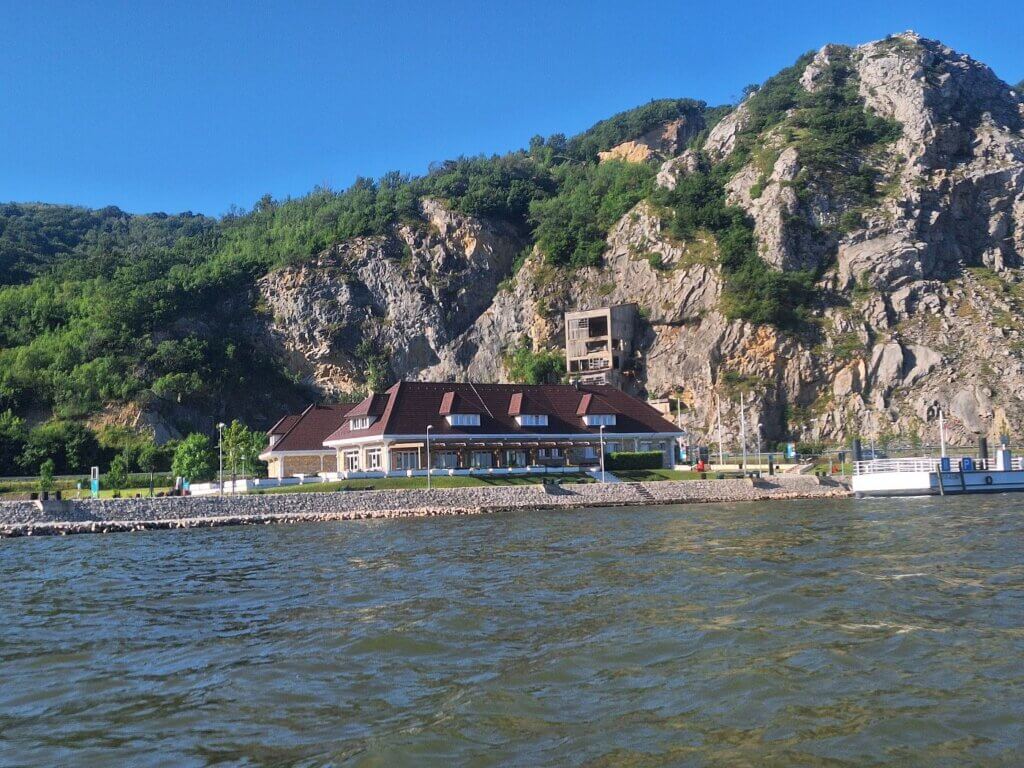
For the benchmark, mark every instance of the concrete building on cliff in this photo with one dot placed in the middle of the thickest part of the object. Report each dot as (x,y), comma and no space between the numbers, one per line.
(599,345)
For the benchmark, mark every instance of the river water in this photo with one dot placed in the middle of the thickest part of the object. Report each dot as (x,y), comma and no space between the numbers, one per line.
(813,632)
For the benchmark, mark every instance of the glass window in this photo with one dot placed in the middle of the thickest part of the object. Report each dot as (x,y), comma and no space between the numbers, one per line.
(533,420)
(373,458)
(351,461)
(464,419)
(362,422)
(482,459)
(446,460)
(403,460)
(599,419)
(515,458)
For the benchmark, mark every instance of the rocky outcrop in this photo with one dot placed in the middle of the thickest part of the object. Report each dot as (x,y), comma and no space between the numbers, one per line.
(665,140)
(408,294)
(921,288)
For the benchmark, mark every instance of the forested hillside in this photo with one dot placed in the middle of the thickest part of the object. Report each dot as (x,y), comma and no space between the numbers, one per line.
(787,245)
(99,309)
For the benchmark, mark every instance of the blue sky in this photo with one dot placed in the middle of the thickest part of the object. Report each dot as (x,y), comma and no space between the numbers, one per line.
(198,106)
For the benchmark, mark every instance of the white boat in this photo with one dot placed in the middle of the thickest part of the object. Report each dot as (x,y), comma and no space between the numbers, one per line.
(929,476)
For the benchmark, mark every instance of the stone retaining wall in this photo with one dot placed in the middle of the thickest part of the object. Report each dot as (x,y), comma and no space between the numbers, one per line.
(21,518)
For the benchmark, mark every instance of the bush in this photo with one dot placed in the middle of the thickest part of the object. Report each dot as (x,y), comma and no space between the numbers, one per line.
(634,460)
(524,366)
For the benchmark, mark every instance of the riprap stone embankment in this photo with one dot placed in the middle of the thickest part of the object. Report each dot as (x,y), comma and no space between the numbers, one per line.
(110,515)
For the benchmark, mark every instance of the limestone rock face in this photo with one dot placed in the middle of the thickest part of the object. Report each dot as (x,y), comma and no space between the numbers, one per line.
(665,140)
(921,291)
(675,168)
(408,293)
(722,138)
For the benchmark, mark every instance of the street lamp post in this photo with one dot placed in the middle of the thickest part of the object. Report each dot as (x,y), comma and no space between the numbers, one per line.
(743,432)
(220,451)
(429,427)
(600,432)
(758,427)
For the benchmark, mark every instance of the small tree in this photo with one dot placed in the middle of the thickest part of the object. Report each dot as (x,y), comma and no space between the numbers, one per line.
(46,476)
(117,474)
(524,366)
(194,458)
(148,457)
(242,447)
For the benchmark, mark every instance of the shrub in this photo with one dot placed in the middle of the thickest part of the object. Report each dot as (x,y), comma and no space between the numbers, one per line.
(634,460)
(524,366)
(46,476)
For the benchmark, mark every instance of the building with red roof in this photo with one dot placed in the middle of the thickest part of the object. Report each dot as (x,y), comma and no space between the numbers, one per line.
(296,442)
(493,427)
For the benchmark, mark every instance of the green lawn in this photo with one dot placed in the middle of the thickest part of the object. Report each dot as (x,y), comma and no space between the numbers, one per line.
(457,481)
(654,475)
(72,493)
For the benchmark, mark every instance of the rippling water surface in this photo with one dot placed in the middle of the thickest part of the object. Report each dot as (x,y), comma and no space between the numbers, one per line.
(812,633)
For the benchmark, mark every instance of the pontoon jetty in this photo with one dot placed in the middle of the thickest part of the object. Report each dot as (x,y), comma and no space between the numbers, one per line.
(925,476)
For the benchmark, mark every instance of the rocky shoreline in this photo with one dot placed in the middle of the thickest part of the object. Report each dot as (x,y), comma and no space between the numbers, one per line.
(118,515)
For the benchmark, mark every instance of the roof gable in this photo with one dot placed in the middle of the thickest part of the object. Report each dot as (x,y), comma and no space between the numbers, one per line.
(310,428)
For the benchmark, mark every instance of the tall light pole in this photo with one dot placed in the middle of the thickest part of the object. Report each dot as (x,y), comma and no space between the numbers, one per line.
(429,427)
(721,455)
(743,431)
(600,432)
(220,450)
(758,427)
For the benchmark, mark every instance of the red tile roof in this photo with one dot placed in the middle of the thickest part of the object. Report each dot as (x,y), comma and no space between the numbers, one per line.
(412,405)
(521,402)
(371,405)
(308,430)
(283,425)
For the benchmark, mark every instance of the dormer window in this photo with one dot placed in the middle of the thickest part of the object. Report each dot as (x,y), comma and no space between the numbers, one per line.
(361,422)
(532,420)
(464,419)
(599,419)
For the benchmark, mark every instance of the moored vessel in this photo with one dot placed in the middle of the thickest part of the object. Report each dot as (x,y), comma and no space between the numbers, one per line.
(939,476)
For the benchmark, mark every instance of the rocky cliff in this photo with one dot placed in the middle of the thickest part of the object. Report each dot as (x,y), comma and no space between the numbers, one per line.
(915,244)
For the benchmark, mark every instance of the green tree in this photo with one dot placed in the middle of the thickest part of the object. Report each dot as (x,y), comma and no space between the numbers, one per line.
(117,474)
(46,476)
(72,446)
(242,447)
(194,459)
(149,458)
(524,366)
(12,441)
(378,366)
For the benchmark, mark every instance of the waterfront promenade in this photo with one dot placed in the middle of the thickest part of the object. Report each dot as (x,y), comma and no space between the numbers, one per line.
(112,515)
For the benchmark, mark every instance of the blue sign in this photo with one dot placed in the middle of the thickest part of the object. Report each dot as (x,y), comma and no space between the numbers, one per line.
(790,450)
(95,487)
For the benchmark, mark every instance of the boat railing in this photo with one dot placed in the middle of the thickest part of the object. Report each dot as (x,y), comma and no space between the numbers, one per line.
(928,464)
(916,464)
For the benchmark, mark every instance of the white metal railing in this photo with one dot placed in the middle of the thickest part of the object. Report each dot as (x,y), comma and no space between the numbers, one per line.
(916,464)
(928,464)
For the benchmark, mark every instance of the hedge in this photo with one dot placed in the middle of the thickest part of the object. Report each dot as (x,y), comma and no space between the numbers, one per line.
(634,460)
